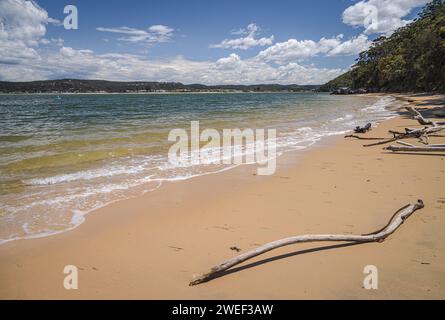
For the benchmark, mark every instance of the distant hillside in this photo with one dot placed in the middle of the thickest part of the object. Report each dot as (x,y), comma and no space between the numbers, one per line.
(95,86)
(345,80)
(411,59)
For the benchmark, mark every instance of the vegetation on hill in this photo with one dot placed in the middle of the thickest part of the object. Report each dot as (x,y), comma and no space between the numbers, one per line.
(94,86)
(411,59)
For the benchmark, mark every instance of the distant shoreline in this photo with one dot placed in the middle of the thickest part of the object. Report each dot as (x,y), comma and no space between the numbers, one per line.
(103,86)
(152,93)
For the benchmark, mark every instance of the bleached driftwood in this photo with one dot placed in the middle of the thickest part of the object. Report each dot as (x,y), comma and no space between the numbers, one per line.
(430,145)
(405,144)
(412,148)
(418,116)
(395,222)
(409,133)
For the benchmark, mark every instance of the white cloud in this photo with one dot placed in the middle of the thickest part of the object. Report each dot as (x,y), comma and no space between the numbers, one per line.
(232,69)
(249,40)
(296,50)
(380,16)
(351,47)
(22,21)
(53,41)
(22,25)
(85,64)
(229,63)
(154,34)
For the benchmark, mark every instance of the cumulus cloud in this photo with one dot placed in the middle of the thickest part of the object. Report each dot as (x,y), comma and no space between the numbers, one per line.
(154,34)
(296,50)
(229,63)
(22,24)
(256,71)
(380,16)
(22,21)
(86,64)
(351,47)
(248,39)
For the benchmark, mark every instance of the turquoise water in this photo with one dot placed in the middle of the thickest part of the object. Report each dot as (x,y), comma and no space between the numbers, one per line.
(62,158)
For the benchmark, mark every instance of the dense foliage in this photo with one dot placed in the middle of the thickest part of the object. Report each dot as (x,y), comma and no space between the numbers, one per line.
(76,86)
(411,59)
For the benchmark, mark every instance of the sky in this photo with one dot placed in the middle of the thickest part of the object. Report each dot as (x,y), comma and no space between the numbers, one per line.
(195,41)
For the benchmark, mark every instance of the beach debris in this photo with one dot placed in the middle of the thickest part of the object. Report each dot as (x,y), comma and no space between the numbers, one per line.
(409,133)
(225,227)
(235,249)
(412,148)
(378,236)
(421,262)
(363,129)
(430,130)
(176,248)
(362,138)
(418,116)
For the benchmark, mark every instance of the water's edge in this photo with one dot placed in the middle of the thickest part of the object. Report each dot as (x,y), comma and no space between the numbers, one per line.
(78,218)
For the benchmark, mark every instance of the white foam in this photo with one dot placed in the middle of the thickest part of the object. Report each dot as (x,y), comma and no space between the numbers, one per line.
(86,175)
(346,117)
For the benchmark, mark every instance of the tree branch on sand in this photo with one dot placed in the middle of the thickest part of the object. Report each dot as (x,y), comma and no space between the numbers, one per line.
(409,133)
(362,138)
(418,116)
(412,148)
(422,134)
(378,236)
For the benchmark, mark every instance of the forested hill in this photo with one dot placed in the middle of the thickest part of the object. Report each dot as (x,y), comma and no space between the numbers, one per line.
(93,86)
(411,59)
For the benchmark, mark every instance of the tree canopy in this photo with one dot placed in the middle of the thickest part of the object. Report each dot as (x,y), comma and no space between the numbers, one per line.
(411,59)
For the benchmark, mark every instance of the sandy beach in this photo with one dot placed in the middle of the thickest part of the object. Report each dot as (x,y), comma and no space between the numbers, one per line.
(152,246)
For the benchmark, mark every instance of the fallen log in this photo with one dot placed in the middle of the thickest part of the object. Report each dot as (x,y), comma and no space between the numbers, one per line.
(378,236)
(430,148)
(418,116)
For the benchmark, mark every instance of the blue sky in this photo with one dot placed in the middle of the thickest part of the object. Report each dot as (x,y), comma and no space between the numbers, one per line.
(304,42)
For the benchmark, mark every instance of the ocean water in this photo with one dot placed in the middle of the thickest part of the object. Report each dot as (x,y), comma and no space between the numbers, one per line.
(62,157)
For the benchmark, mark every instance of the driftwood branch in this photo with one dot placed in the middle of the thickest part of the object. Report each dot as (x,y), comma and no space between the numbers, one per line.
(418,116)
(412,148)
(396,221)
(405,144)
(409,133)
(362,138)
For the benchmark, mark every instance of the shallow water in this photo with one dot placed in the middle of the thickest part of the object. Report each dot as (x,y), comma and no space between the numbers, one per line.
(62,158)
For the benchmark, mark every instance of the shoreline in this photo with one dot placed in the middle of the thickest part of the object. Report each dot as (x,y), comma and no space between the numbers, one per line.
(154,251)
(151,93)
(307,137)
